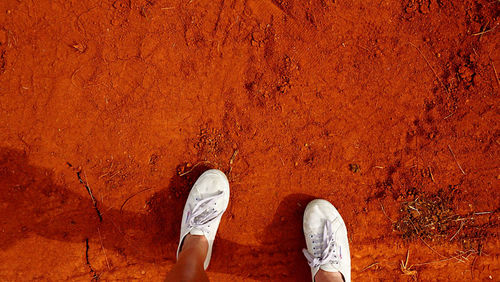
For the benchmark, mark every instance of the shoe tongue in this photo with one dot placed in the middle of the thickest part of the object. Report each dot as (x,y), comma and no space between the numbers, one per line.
(196,231)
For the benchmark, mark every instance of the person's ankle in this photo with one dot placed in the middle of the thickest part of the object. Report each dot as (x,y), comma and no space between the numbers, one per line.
(326,276)
(194,241)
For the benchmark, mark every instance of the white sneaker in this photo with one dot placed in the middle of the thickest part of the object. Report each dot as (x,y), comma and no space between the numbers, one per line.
(326,239)
(204,207)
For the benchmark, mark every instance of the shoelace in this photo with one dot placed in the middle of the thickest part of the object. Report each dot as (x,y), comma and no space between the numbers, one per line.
(203,213)
(329,253)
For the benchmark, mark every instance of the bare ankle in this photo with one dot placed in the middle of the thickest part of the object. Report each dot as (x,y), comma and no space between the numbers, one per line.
(325,276)
(194,241)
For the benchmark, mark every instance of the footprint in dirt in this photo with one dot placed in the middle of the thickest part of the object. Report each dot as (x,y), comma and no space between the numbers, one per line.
(31,203)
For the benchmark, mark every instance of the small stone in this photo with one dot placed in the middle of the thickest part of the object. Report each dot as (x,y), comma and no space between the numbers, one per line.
(143,272)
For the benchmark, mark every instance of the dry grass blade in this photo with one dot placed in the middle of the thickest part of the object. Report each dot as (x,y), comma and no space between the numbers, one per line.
(423,241)
(448,116)
(481,213)
(431,175)
(103,250)
(458,164)
(458,231)
(435,74)
(231,161)
(495,70)
(462,255)
(383,210)
(369,266)
(405,268)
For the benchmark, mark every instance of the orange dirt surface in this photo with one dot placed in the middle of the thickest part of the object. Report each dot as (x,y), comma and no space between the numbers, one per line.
(109,110)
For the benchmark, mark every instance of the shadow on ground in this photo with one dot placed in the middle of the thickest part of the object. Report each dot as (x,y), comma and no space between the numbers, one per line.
(31,203)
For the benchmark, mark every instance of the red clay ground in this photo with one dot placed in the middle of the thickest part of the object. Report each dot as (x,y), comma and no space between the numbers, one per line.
(369,105)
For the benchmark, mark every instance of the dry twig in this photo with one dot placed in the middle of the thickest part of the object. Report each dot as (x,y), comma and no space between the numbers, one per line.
(485,31)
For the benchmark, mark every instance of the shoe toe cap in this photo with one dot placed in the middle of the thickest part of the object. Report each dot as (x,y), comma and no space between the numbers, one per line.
(317,211)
